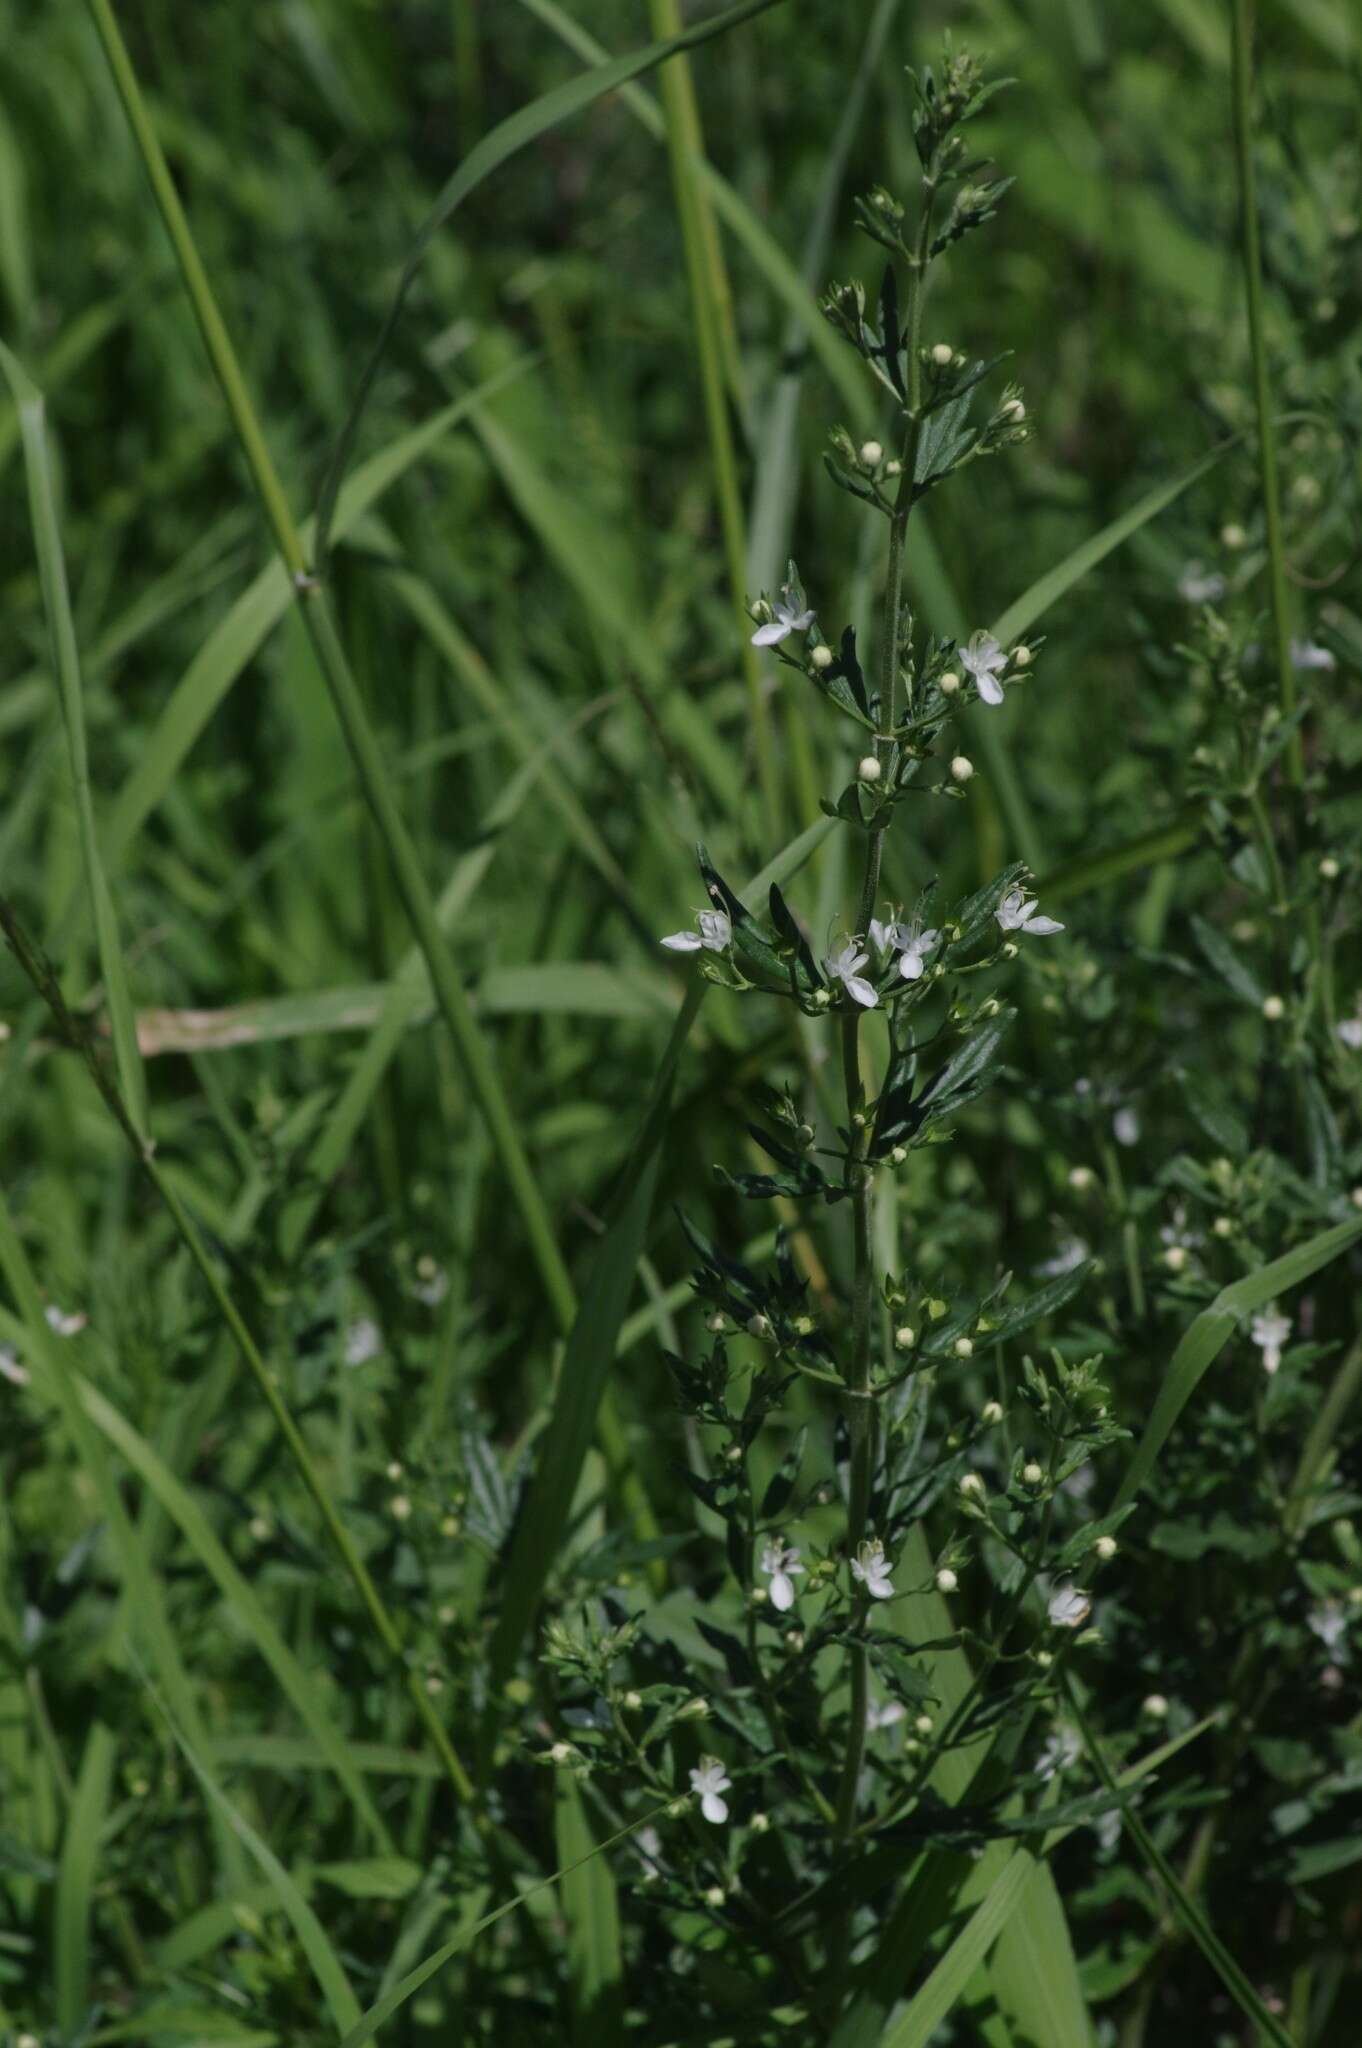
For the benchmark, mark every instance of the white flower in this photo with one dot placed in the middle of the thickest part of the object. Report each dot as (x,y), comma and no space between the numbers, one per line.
(710,1779)
(909,941)
(10,1368)
(984,658)
(1063,1748)
(1198,586)
(1350,1030)
(1069,1607)
(887,1716)
(846,967)
(786,621)
(1329,1621)
(1108,1826)
(780,1561)
(66,1322)
(1306,654)
(1016,914)
(1125,1127)
(715,934)
(872,1569)
(363,1341)
(1269,1332)
(432,1281)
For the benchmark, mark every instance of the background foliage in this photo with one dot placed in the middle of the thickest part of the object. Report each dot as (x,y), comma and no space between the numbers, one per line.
(531,581)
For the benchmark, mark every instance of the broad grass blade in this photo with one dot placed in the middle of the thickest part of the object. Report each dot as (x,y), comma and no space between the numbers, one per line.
(591,1910)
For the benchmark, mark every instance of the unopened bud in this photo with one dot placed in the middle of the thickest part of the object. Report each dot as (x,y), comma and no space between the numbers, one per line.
(1274,1009)
(1105,1547)
(759,1823)
(973,1484)
(897,1155)
(872,455)
(1155,1707)
(1021,657)
(1233,536)
(869,769)
(962,768)
(991,1412)
(561,1752)
(949,683)
(1328,868)
(1032,1474)
(905,1337)
(1175,1258)
(942,354)
(963,1347)
(1223,1226)
(946,1581)
(716,1321)
(715,1895)
(759,1326)
(821,657)
(1081,1179)
(399,1507)
(1014,411)
(695,1709)
(632,1702)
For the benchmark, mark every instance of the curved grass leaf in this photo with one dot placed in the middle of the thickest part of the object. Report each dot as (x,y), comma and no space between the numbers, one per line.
(526,125)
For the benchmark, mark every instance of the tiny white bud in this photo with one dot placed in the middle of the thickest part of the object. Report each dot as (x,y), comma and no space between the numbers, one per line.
(399,1507)
(1014,410)
(759,1596)
(794,1639)
(961,768)
(821,657)
(450,1525)
(872,455)
(923,1724)
(1356,1198)
(1233,536)
(1328,868)
(949,683)
(1044,1659)
(893,467)
(963,1347)
(758,1326)
(869,769)
(759,1823)
(898,1154)
(1105,1547)
(905,1337)
(942,354)
(1021,657)
(1223,1226)
(804,1326)
(446,1615)
(435,1685)
(260,1528)
(561,1752)
(1081,1179)
(946,1581)
(1175,1258)
(972,1483)
(716,1321)
(1032,1474)
(715,1895)
(991,1412)
(1274,1009)
(1009,951)
(695,1709)
(394,1470)
(1155,1707)
(820,999)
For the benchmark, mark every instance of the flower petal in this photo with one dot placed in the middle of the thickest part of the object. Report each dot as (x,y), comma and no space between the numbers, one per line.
(910,965)
(782,1592)
(1041,927)
(861,991)
(771,635)
(714,1808)
(990,689)
(683,942)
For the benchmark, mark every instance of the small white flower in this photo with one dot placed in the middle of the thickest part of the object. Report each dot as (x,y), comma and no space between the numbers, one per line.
(1305,654)
(887,1716)
(1069,1607)
(780,1562)
(715,934)
(1199,586)
(432,1281)
(872,1569)
(786,621)
(10,1368)
(1108,1826)
(1071,1253)
(1063,1748)
(66,1322)
(1350,1030)
(846,967)
(363,1341)
(709,1780)
(1125,1127)
(1329,1621)
(1016,914)
(909,941)
(985,659)
(1269,1332)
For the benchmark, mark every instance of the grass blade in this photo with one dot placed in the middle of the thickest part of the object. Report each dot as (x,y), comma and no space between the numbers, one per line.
(591,1910)
(76,1882)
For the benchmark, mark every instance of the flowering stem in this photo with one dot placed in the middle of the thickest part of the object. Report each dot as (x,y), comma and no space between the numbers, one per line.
(862,1416)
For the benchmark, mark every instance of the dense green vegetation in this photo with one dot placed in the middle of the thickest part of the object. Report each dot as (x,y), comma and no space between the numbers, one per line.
(399,1407)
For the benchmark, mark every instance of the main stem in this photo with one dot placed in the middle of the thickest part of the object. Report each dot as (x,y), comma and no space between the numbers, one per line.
(861,1410)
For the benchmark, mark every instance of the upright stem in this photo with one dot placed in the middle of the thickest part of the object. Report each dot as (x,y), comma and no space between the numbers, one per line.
(861,1410)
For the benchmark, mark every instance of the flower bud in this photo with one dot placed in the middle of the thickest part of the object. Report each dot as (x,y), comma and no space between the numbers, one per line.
(872,455)
(1328,869)
(949,683)
(804,1326)
(715,1895)
(963,1347)
(1355,1197)
(898,1154)
(450,1525)
(971,1483)
(561,1752)
(1223,1226)
(632,1701)
(1043,1658)
(399,1507)
(1081,1179)
(1105,1547)
(1175,1258)
(905,1337)
(991,1412)
(758,1596)
(942,355)
(961,768)
(821,657)
(1021,657)
(695,1709)
(946,1581)
(1009,951)
(893,467)
(1274,1009)
(1155,1707)
(759,1326)
(394,1469)
(759,1823)
(716,1321)
(1032,1474)
(869,769)
(1233,535)
(936,1308)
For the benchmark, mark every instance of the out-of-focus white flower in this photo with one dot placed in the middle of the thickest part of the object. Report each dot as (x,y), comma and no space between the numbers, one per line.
(363,1341)
(1350,1030)
(709,1780)
(871,1568)
(1071,1253)
(432,1281)
(784,621)
(1307,654)
(715,934)
(1269,1332)
(10,1368)
(985,659)
(66,1322)
(887,1716)
(1108,1827)
(1062,1748)
(1125,1126)
(780,1561)
(1069,1607)
(1329,1621)
(1200,586)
